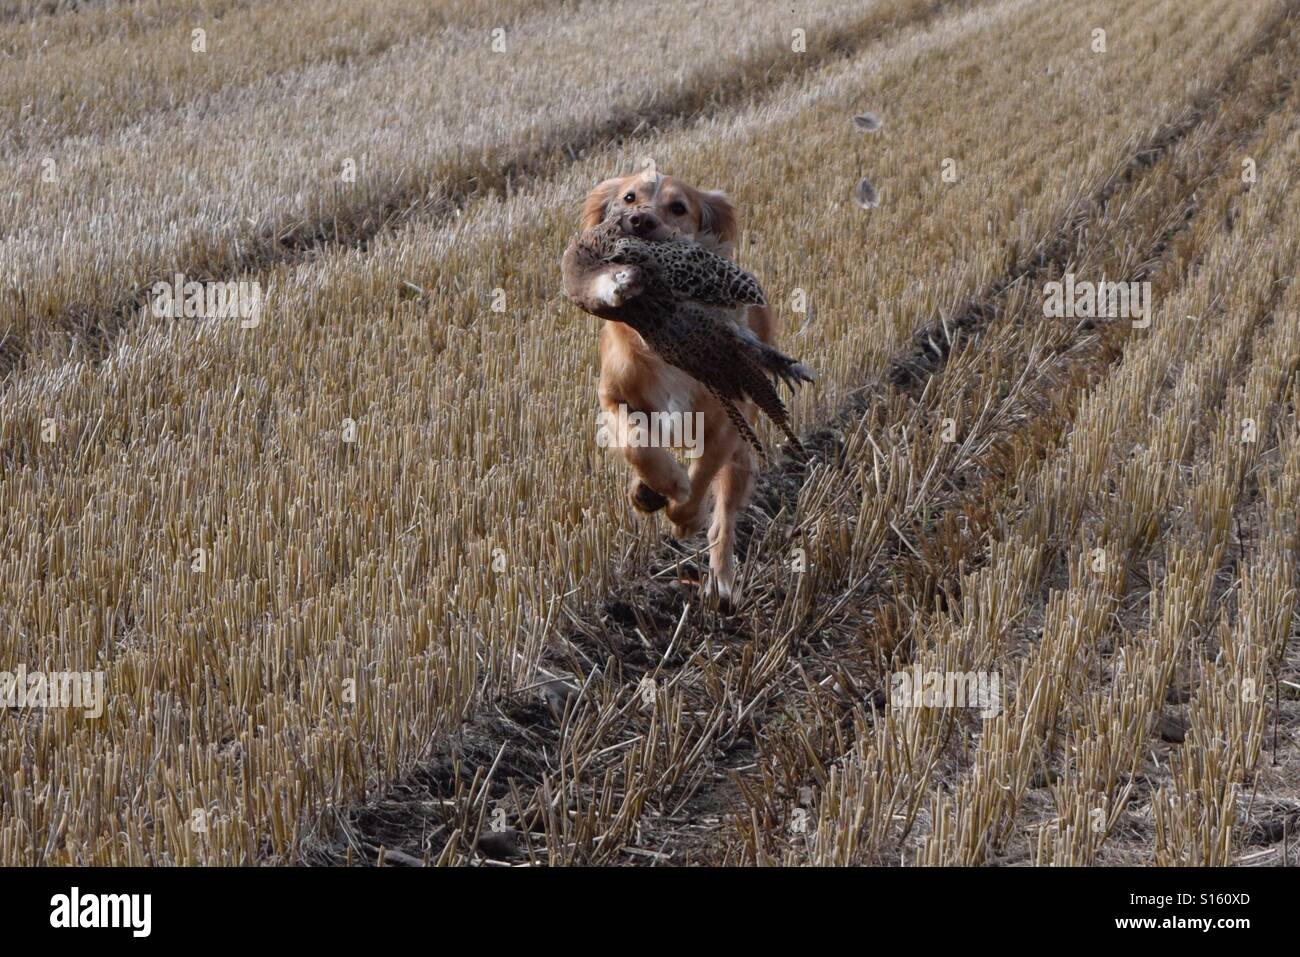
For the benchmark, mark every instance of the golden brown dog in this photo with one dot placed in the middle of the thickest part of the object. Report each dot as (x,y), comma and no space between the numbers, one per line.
(634,379)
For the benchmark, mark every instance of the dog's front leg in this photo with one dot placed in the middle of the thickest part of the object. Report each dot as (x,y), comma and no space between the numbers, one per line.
(658,478)
(717,445)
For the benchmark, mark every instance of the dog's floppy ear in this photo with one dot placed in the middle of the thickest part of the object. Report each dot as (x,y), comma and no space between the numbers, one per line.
(597,202)
(718,215)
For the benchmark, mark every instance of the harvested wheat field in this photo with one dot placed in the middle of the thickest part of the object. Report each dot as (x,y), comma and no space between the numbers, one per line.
(347,578)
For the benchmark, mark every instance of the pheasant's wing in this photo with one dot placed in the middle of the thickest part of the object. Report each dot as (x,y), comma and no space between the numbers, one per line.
(695,340)
(696,273)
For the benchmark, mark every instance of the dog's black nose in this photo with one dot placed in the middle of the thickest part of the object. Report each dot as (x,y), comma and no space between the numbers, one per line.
(643,222)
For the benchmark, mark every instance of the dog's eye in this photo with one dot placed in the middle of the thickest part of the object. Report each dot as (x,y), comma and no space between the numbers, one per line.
(678,208)
(630,198)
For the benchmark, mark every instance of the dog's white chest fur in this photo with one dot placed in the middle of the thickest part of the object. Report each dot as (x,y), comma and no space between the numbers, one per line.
(679,391)
(673,391)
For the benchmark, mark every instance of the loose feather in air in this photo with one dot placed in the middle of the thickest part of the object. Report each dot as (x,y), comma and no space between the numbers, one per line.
(867,122)
(865,195)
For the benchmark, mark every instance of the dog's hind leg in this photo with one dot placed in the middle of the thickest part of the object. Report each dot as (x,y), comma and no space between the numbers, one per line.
(731,491)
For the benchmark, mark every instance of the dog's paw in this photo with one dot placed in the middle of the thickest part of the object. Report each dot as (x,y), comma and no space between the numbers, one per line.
(722,590)
(644,498)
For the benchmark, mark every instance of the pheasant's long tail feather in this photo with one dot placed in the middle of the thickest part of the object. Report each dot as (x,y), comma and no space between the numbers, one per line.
(795,445)
(741,423)
(764,394)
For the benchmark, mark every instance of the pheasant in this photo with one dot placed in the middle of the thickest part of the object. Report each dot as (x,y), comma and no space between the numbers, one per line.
(685,302)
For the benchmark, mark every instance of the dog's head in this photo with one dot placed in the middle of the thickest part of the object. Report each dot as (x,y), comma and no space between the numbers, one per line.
(658,207)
